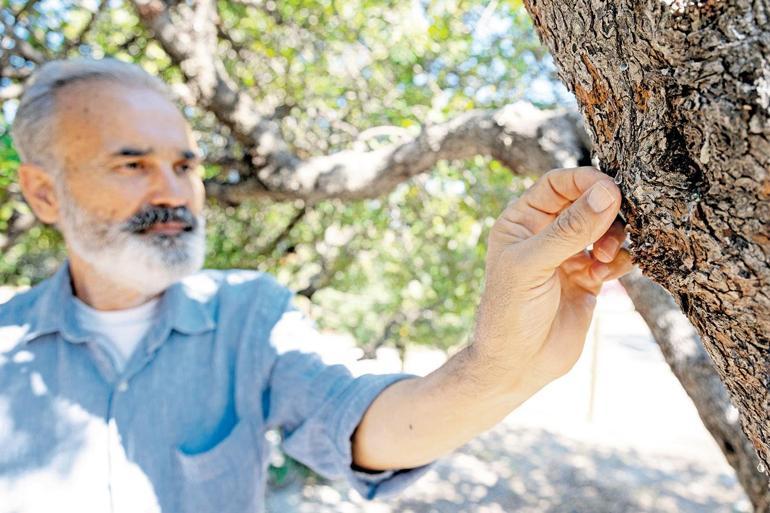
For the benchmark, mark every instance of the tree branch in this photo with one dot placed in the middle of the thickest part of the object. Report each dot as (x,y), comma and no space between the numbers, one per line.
(11,92)
(188,35)
(22,47)
(521,136)
(296,218)
(78,40)
(15,73)
(395,320)
(18,224)
(24,8)
(319,280)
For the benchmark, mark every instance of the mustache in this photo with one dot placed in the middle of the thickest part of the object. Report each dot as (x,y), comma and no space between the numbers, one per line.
(150,216)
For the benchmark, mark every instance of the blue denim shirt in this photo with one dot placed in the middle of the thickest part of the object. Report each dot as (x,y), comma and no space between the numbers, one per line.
(181,428)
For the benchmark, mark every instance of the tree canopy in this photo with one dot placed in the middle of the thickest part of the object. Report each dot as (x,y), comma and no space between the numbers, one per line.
(404,266)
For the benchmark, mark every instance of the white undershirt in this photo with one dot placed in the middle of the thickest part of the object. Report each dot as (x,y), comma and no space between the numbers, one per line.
(121,329)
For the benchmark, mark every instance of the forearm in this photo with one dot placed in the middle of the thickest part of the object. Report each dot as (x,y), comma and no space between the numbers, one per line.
(415,421)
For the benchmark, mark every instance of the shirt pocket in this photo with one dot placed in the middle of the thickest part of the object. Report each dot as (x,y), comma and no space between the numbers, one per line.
(226,478)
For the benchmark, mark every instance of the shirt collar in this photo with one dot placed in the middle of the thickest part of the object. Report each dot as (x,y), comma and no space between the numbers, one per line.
(55,311)
(183,312)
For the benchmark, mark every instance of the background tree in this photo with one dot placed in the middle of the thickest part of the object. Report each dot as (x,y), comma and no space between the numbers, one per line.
(283,96)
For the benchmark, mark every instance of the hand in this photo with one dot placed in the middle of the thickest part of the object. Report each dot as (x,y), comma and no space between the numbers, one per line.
(540,293)
(541,282)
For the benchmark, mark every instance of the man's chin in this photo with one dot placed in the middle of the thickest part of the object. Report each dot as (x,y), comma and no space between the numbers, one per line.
(148,268)
(153,281)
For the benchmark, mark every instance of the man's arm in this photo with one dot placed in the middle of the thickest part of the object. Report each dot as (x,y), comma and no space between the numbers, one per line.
(540,291)
(416,421)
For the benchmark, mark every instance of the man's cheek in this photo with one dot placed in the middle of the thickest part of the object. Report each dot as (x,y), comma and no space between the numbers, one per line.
(199,197)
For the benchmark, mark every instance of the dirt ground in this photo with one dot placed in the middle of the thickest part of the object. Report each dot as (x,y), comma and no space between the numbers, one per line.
(515,469)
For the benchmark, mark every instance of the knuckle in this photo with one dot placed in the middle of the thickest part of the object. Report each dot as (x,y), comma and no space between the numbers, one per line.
(570,223)
(508,234)
(552,174)
(509,227)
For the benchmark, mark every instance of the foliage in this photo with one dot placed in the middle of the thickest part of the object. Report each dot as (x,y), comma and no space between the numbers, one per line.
(402,269)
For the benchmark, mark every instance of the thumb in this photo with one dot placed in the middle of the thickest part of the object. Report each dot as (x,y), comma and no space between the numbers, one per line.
(575,228)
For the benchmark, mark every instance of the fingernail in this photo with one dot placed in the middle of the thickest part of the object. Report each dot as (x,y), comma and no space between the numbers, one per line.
(599,198)
(602,271)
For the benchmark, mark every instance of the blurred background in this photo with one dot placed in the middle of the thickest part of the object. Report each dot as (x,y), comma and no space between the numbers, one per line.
(393,281)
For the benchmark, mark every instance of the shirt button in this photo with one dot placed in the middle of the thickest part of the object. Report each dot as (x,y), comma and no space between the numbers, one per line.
(122,386)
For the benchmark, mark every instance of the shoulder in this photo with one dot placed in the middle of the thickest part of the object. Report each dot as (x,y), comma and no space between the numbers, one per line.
(236,287)
(17,316)
(216,281)
(21,305)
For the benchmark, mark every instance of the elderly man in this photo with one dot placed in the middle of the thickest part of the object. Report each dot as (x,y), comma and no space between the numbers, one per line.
(133,381)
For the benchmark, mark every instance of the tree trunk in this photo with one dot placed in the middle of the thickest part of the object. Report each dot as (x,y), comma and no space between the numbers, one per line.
(676,95)
(684,353)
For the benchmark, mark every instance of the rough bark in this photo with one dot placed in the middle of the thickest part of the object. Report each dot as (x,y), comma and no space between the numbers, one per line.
(682,348)
(676,95)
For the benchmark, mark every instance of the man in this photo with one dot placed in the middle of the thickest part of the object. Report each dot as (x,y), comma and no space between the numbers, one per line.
(130,381)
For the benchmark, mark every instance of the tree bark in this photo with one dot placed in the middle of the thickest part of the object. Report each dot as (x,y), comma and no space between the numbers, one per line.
(684,353)
(676,95)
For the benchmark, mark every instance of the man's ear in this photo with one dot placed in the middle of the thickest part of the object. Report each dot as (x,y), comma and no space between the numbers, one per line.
(38,187)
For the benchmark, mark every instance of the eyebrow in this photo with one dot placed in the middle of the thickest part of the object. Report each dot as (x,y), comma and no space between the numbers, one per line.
(132,152)
(136,152)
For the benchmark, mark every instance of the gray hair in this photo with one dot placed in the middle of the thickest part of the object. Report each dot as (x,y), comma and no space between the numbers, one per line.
(32,128)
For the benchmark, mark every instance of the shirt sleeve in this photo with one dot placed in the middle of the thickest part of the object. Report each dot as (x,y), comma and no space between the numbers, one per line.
(318,406)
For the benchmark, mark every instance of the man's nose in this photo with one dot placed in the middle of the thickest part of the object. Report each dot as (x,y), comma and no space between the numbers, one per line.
(170,189)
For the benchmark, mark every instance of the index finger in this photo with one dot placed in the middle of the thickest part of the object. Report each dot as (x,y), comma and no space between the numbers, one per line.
(552,193)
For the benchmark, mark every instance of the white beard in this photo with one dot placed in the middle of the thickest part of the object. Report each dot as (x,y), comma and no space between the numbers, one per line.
(145,263)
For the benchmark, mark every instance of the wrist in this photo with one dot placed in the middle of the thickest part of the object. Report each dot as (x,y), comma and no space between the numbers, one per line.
(494,375)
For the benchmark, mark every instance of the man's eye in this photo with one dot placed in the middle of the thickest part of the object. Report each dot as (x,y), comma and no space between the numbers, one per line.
(133,165)
(184,168)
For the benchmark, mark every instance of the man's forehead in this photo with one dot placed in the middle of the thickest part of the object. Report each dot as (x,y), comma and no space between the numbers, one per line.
(113,117)
(84,94)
